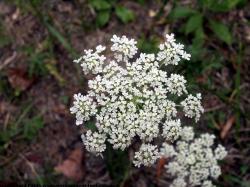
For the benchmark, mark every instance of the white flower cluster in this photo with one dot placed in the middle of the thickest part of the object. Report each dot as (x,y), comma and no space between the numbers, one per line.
(172,52)
(94,142)
(176,84)
(172,130)
(134,97)
(192,160)
(147,155)
(92,60)
(83,108)
(125,48)
(192,106)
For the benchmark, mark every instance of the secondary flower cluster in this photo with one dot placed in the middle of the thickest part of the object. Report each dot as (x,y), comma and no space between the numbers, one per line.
(134,96)
(192,160)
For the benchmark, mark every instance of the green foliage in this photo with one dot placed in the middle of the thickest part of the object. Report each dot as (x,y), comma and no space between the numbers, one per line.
(102,18)
(54,71)
(36,64)
(118,164)
(27,5)
(236,180)
(100,4)
(221,31)
(32,127)
(57,35)
(6,90)
(199,37)
(104,9)
(181,12)
(91,125)
(222,6)
(23,128)
(142,2)
(4,38)
(194,22)
(124,14)
(64,99)
(148,45)
(7,134)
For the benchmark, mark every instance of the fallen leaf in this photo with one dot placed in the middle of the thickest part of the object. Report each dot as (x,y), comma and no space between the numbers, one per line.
(160,167)
(19,79)
(34,158)
(60,109)
(72,167)
(201,79)
(226,128)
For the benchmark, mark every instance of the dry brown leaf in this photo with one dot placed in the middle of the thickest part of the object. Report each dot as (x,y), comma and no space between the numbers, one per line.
(226,128)
(19,79)
(72,167)
(60,109)
(201,79)
(160,167)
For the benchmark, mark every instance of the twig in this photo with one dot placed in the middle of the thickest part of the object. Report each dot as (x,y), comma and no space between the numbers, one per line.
(32,168)
(8,60)
(214,108)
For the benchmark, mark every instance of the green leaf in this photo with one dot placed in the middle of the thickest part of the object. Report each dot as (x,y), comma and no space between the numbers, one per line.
(181,12)
(222,6)
(102,18)
(100,4)
(197,49)
(142,2)
(124,14)
(55,33)
(193,23)
(91,126)
(199,38)
(221,31)
(32,127)
(148,45)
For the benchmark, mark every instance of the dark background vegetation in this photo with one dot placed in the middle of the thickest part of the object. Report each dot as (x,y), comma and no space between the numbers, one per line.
(39,142)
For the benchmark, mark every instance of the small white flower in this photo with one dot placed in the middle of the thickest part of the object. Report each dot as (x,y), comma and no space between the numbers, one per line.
(206,139)
(171,52)
(220,152)
(172,130)
(170,38)
(192,106)
(125,46)
(187,133)
(146,155)
(176,84)
(194,159)
(94,142)
(148,130)
(167,150)
(215,171)
(207,184)
(179,182)
(92,61)
(170,108)
(119,138)
(83,107)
